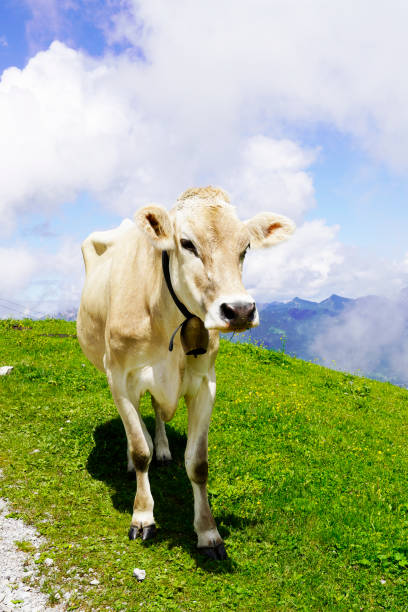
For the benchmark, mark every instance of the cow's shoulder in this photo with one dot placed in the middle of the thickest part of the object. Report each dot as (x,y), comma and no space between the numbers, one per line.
(133,292)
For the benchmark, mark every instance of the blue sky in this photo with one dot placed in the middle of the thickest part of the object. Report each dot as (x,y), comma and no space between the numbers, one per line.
(365,198)
(115,104)
(28,27)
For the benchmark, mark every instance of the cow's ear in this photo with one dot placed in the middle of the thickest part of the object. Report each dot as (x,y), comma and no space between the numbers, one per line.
(267,229)
(155,222)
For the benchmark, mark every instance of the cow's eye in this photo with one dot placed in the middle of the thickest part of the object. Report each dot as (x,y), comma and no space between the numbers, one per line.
(189,246)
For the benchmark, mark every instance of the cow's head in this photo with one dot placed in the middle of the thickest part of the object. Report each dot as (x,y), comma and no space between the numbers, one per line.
(207,244)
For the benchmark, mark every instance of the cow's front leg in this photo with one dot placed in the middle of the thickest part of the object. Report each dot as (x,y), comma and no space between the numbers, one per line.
(196,458)
(140,451)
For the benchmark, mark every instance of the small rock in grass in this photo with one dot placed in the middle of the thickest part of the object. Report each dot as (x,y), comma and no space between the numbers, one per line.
(140,574)
(94,581)
(5,370)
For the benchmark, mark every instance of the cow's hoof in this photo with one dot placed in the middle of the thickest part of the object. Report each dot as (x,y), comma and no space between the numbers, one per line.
(133,532)
(149,532)
(218,553)
(146,533)
(163,462)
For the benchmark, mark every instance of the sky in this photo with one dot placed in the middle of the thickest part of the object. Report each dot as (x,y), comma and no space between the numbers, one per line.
(298,107)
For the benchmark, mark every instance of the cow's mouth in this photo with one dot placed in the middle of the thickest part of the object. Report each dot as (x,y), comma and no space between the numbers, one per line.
(239,328)
(225,329)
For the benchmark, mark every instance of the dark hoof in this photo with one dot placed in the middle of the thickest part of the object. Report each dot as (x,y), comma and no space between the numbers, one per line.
(149,532)
(133,532)
(145,533)
(163,462)
(218,553)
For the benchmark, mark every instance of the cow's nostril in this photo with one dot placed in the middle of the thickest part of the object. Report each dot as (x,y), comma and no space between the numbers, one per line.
(228,312)
(251,312)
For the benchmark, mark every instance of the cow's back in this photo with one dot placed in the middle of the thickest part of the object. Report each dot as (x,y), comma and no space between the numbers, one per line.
(98,250)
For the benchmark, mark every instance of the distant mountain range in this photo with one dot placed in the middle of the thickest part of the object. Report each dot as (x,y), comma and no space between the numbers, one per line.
(67,315)
(367,335)
(292,326)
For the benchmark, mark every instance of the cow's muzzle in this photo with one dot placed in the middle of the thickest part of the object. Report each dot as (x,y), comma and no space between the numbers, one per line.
(234,313)
(238,315)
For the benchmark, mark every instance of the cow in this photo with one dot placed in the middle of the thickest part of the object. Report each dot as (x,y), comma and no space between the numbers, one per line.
(157,293)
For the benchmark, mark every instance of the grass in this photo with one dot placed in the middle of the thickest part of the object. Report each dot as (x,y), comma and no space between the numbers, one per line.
(307,484)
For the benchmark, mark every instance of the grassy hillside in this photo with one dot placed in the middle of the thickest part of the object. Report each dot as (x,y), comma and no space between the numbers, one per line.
(307,483)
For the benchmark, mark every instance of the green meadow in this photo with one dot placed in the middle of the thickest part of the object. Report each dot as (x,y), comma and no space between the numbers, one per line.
(308,484)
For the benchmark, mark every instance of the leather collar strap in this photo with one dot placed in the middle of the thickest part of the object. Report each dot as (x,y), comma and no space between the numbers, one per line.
(194,335)
(166,272)
(180,305)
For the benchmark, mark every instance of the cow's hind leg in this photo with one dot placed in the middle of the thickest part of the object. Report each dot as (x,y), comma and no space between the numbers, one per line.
(161,444)
(199,407)
(140,451)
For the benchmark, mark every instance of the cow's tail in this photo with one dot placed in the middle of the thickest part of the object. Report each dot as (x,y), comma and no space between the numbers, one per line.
(93,248)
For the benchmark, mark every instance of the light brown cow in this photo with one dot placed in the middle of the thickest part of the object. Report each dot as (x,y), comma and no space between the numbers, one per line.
(129,313)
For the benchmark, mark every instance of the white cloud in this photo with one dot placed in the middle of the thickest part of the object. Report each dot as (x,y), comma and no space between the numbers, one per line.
(271,176)
(263,62)
(73,124)
(40,282)
(216,76)
(62,126)
(16,268)
(63,274)
(300,266)
(313,264)
(210,104)
(70,123)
